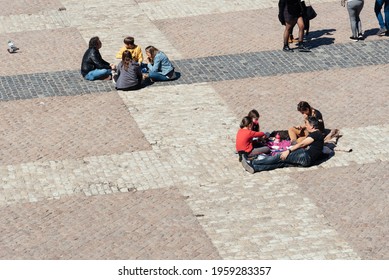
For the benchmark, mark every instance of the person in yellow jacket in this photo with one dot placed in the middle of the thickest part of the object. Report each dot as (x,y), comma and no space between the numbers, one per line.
(135,50)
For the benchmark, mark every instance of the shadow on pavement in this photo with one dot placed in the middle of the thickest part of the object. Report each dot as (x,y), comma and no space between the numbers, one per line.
(316,39)
(372,32)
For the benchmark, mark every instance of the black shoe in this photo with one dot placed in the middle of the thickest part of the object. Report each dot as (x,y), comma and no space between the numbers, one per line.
(302,48)
(360,37)
(247,166)
(355,39)
(287,49)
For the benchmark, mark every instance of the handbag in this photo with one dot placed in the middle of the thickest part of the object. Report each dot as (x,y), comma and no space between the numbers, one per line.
(309,11)
(311,14)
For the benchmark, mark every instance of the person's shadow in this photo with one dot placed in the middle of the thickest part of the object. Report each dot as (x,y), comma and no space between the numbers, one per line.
(371,32)
(316,38)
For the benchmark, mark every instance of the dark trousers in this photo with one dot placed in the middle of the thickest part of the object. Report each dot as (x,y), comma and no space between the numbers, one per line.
(296,158)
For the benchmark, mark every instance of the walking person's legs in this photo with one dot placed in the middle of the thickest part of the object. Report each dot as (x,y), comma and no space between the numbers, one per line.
(386,13)
(301,47)
(358,19)
(353,24)
(377,9)
(288,29)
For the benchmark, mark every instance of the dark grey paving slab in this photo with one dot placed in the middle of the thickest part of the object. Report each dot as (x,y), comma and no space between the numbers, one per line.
(209,69)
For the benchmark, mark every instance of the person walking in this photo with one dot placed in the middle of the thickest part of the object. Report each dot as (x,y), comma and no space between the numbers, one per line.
(384,24)
(291,13)
(354,8)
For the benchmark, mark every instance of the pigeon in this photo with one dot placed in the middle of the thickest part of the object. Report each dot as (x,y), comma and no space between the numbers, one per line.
(11,47)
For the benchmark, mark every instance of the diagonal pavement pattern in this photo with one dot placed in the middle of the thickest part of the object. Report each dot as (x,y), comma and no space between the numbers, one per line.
(91,173)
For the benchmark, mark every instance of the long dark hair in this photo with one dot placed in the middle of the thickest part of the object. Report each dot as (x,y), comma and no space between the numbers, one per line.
(246,121)
(303,105)
(126,54)
(94,42)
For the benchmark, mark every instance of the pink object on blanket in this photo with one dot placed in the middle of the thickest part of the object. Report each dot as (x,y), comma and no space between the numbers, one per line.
(278,147)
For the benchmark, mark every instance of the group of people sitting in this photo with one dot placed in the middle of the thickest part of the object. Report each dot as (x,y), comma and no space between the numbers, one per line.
(306,142)
(131,71)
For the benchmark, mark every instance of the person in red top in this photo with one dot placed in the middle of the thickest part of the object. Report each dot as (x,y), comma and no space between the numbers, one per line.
(244,140)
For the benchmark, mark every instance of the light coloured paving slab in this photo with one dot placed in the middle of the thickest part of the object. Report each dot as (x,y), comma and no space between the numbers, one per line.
(27,6)
(43,20)
(115,21)
(266,218)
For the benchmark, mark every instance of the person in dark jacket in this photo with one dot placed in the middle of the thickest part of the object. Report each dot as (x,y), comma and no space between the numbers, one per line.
(93,66)
(291,12)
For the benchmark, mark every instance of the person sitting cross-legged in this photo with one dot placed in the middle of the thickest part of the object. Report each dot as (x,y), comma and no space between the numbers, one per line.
(93,66)
(303,154)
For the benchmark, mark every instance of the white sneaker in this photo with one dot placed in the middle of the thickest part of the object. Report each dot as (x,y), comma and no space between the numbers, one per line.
(114,77)
(259,157)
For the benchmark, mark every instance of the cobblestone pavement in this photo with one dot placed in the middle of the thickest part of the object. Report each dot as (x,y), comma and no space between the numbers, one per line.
(91,173)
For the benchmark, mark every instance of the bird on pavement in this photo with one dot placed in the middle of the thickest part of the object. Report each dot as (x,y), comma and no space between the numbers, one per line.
(11,47)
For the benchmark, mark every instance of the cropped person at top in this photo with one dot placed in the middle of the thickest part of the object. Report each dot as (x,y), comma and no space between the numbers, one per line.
(290,13)
(354,8)
(93,66)
(159,66)
(299,133)
(129,75)
(244,139)
(135,50)
(383,21)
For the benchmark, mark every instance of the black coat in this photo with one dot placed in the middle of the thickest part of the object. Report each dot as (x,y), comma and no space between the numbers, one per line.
(92,60)
(294,8)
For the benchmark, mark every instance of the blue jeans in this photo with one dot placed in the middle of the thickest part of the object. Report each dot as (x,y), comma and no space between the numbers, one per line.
(97,73)
(156,76)
(377,9)
(296,158)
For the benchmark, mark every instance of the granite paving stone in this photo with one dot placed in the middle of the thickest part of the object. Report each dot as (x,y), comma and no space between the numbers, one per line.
(153,174)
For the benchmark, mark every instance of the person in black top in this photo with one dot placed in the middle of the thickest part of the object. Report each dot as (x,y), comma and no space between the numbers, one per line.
(299,133)
(291,12)
(302,154)
(93,66)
